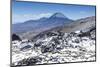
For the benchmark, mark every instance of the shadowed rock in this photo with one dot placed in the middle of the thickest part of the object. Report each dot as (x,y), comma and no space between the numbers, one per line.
(15,37)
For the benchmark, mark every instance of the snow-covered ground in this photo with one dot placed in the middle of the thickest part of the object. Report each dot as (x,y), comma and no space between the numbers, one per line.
(67,47)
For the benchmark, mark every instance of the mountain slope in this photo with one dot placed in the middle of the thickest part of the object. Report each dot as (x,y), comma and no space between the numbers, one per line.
(83,25)
(36,26)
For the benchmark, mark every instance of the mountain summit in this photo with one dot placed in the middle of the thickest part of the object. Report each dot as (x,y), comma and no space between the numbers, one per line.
(58,15)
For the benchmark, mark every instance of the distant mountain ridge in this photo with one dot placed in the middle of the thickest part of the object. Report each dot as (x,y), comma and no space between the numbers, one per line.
(57,22)
(57,19)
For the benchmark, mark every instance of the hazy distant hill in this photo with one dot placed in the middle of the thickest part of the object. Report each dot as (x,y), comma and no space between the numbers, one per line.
(81,24)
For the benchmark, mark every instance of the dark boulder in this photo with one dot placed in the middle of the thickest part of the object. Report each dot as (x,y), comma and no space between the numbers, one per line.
(56,41)
(92,29)
(26,47)
(38,44)
(45,49)
(60,33)
(77,41)
(59,48)
(49,34)
(84,34)
(15,37)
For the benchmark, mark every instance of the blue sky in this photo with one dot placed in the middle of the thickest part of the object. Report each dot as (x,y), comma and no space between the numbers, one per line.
(23,11)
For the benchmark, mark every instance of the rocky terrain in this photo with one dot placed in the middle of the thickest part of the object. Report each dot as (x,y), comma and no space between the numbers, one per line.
(55,47)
